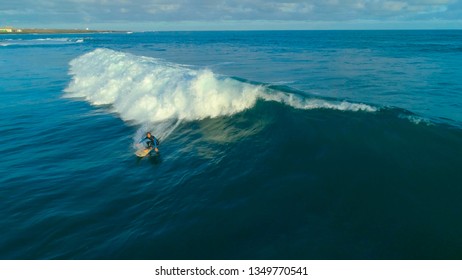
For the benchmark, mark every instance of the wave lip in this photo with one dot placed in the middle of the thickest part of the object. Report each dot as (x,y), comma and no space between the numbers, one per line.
(149,90)
(298,102)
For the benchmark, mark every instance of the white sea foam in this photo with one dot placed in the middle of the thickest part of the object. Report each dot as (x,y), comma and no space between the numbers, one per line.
(146,90)
(416,119)
(299,102)
(41,41)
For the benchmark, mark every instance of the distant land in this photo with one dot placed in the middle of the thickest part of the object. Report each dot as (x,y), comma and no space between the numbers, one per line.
(13,30)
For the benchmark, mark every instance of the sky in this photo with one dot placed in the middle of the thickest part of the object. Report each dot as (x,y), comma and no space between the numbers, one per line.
(158,15)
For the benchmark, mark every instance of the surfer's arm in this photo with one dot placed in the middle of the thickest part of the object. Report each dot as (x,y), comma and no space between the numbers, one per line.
(155,144)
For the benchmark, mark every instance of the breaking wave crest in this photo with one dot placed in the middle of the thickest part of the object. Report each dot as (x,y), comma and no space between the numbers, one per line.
(147,90)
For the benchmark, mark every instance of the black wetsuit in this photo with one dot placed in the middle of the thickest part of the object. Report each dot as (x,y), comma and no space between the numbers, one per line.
(151,142)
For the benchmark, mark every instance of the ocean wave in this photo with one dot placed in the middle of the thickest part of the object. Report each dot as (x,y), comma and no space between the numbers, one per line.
(148,90)
(41,41)
(300,102)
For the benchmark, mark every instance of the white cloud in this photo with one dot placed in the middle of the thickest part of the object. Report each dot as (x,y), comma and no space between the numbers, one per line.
(394,6)
(162,8)
(294,7)
(27,12)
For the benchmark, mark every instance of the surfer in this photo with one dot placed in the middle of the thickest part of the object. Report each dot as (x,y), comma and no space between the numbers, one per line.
(151,142)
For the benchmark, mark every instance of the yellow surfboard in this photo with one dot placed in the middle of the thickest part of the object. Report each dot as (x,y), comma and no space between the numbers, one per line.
(143,152)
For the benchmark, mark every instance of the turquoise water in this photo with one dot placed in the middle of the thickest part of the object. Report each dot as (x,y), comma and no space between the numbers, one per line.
(274,145)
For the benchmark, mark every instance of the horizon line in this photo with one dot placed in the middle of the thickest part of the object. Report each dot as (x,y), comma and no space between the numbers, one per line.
(228,29)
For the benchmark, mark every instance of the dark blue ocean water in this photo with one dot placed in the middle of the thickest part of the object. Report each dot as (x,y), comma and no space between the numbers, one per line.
(274,145)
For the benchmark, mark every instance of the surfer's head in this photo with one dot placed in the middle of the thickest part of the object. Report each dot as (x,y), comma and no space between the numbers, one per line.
(148,134)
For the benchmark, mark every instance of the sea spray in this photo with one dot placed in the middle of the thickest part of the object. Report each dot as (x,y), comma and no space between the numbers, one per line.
(157,95)
(160,129)
(147,90)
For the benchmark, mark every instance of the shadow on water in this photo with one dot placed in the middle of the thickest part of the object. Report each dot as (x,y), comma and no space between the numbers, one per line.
(152,159)
(155,159)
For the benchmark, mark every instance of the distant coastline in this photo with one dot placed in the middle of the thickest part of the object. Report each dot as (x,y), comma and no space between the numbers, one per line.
(12,30)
